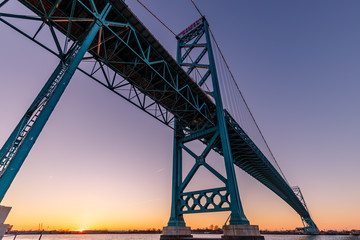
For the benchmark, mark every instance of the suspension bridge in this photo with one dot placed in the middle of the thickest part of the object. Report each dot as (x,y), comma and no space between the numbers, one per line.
(105,41)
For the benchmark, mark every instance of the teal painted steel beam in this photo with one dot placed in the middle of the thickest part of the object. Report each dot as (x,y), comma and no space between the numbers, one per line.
(204,201)
(3,3)
(190,175)
(191,46)
(209,146)
(176,218)
(237,212)
(205,77)
(216,173)
(13,152)
(198,134)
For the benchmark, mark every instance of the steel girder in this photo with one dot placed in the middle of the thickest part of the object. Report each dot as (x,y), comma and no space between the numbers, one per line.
(309,225)
(125,58)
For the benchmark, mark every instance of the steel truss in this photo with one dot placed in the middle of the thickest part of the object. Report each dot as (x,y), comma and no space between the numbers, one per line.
(101,62)
(120,74)
(309,225)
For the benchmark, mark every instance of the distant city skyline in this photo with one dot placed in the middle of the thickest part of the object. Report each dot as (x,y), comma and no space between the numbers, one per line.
(100,163)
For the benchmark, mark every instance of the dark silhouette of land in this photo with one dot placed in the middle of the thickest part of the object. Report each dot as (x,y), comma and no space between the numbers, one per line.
(213,230)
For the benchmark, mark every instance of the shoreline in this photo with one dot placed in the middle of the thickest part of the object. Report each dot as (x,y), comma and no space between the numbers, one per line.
(211,232)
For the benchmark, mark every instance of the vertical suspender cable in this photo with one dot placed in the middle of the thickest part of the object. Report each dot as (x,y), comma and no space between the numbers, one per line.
(232,76)
(247,106)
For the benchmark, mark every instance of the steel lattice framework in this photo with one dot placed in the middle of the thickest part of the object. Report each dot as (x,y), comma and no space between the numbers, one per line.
(106,41)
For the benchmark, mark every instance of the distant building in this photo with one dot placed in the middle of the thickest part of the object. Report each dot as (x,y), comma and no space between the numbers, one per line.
(9,229)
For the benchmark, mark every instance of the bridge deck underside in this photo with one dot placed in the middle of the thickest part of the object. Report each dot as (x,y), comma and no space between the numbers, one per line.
(249,157)
(130,57)
(145,78)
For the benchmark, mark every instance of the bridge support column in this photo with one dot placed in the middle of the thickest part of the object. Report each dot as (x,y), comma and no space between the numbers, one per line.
(176,228)
(4,212)
(239,228)
(216,137)
(241,232)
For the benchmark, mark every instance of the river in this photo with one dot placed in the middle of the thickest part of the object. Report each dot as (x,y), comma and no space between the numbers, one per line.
(157,237)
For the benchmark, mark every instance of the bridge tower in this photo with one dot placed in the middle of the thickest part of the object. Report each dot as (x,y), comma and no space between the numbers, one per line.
(196,38)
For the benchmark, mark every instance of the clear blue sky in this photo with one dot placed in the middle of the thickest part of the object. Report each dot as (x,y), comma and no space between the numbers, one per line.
(100,162)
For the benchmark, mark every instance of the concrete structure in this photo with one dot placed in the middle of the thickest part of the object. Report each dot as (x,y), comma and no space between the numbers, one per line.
(231,232)
(4,212)
(176,233)
(241,232)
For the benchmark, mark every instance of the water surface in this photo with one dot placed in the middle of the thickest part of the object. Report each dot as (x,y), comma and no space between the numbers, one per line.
(157,237)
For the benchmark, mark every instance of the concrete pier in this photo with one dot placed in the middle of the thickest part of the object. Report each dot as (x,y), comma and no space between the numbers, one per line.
(176,233)
(241,232)
(4,212)
(231,232)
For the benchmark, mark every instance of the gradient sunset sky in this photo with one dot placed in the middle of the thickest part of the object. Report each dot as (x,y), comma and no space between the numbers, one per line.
(100,163)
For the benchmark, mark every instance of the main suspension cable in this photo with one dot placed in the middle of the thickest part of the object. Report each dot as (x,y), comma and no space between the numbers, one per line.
(196,8)
(156,17)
